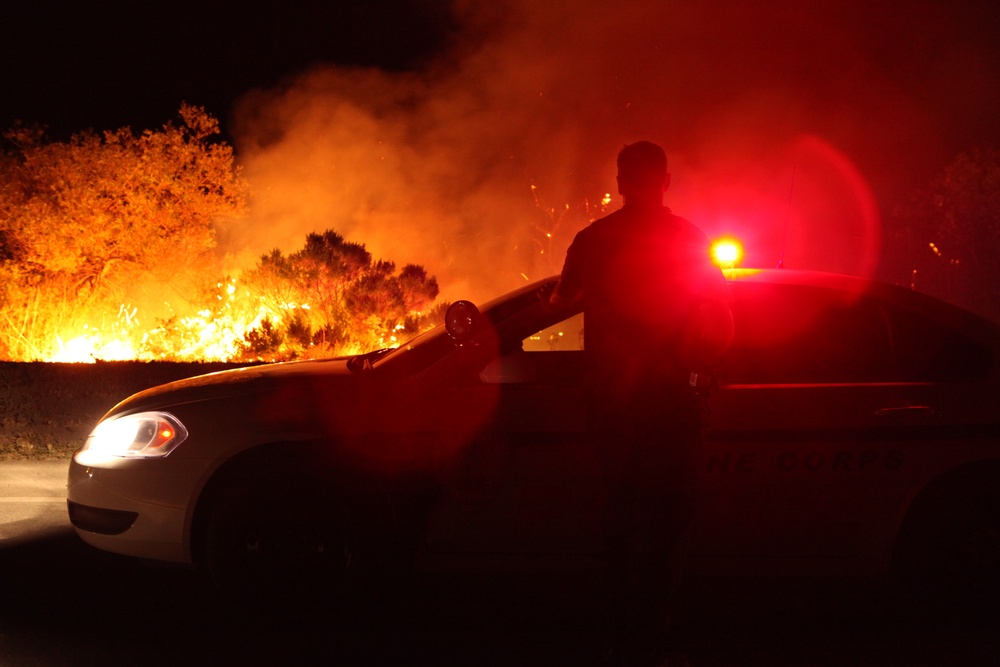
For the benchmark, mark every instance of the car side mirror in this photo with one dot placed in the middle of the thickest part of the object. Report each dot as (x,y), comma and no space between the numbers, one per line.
(463,321)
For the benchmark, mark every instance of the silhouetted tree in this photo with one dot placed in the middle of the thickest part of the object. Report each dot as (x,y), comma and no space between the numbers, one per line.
(331,297)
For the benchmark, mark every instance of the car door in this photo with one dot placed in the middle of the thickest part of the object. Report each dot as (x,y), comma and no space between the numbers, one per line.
(815,437)
(527,487)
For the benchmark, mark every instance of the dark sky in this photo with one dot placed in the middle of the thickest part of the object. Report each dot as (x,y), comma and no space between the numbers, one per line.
(108,64)
(422,127)
(104,65)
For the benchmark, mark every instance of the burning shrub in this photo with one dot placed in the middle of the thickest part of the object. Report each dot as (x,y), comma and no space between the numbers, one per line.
(83,221)
(331,298)
(261,343)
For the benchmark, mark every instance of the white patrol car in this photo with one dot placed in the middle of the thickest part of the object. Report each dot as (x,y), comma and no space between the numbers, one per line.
(854,431)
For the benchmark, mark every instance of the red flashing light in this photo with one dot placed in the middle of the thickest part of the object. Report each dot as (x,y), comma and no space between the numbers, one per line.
(727,253)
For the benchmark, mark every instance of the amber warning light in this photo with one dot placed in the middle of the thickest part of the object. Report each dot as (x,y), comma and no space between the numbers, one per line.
(727,253)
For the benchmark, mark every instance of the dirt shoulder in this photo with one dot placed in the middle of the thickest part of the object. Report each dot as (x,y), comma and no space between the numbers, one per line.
(47,410)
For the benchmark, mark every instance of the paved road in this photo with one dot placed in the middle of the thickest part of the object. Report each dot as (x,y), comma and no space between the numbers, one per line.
(32,499)
(63,603)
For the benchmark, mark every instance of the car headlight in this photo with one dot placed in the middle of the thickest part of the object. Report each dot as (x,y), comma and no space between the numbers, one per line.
(142,435)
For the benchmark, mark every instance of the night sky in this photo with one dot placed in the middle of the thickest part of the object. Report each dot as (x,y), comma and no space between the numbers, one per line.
(420,128)
(107,65)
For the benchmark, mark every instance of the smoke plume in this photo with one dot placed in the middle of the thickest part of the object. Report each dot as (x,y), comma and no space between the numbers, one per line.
(788,125)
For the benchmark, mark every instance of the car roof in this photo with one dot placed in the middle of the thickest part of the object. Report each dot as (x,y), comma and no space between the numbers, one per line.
(984,330)
(834,281)
(981,328)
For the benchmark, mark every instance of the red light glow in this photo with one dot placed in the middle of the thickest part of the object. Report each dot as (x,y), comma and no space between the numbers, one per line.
(727,253)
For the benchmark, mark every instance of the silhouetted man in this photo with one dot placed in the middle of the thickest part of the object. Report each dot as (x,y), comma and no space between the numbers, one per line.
(656,312)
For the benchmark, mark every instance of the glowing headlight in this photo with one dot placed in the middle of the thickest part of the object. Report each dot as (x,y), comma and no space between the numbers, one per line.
(142,435)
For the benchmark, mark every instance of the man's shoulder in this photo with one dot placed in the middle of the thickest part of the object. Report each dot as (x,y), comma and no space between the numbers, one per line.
(688,228)
(608,221)
(600,229)
(619,222)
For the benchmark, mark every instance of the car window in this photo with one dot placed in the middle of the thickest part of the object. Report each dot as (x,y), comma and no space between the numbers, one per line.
(927,350)
(563,336)
(801,334)
(551,356)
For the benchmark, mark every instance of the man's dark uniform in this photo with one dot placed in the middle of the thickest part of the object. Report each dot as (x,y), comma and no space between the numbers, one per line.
(646,281)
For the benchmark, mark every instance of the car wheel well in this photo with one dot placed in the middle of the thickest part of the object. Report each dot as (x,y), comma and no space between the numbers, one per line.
(373,503)
(271,461)
(949,539)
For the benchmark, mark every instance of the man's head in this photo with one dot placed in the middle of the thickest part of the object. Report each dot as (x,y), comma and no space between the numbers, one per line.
(642,172)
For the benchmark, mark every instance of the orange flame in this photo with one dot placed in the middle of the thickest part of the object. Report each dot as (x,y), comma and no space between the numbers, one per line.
(206,335)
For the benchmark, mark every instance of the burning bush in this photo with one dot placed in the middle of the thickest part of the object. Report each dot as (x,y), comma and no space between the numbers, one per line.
(332,298)
(82,221)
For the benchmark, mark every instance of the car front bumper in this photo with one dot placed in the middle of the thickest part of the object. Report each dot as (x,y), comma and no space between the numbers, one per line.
(135,507)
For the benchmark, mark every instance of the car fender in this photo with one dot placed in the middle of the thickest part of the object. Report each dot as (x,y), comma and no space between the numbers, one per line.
(373,502)
(977,481)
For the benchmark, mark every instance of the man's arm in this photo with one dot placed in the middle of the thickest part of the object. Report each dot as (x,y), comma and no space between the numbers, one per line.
(563,297)
(568,290)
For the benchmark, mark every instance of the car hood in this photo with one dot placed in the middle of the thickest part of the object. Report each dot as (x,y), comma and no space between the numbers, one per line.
(252,380)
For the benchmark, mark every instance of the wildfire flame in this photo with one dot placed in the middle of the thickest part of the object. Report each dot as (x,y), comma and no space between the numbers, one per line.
(90,348)
(204,336)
